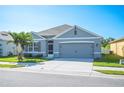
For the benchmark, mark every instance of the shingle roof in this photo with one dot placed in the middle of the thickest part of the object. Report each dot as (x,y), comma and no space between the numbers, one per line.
(55,30)
(117,40)
(5,36)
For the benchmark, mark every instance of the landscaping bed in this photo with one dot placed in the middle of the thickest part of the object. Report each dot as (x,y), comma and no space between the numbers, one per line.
(108,60)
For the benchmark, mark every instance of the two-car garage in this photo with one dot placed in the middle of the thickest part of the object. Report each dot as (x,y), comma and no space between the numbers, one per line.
(76,49)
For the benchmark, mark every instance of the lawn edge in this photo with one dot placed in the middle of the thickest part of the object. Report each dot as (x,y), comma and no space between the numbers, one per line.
(111,72)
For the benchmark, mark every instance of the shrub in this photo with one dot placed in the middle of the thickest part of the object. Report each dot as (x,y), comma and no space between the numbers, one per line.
(27,55)
(39,55)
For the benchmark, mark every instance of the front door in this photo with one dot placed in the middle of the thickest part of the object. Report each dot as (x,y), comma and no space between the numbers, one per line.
(50,47)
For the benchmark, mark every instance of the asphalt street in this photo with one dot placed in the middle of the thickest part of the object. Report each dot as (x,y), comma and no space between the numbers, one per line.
(28,79)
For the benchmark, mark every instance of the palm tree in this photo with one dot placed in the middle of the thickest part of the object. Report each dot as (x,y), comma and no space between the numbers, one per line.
(15,40)
(20,40)
(25,39)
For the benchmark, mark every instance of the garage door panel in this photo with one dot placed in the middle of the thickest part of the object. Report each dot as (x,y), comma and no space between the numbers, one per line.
(76,50)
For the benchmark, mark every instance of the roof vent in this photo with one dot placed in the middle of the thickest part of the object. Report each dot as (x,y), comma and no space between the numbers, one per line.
(75,31)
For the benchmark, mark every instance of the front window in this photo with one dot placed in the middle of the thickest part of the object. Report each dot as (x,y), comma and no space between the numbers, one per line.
(30,47)
(26,48)
(37,46)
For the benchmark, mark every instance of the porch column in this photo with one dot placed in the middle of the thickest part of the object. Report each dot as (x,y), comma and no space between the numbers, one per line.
(27,48)
(33,46)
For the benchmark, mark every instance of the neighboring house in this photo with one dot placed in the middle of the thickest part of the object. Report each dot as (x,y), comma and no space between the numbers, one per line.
(5,47)
(117,47)
(65,41)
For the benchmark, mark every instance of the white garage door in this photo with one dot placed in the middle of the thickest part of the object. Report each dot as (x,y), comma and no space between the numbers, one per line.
(76,50)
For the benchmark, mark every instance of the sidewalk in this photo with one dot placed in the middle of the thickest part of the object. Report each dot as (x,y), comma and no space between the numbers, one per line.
(107,68)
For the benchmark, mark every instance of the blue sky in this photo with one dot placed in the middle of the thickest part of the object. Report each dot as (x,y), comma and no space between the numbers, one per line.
(107,21)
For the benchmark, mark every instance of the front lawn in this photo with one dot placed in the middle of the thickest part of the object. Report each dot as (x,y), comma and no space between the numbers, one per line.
(108,60)
(8,66)
(27,59)
(112,72)
(105,64)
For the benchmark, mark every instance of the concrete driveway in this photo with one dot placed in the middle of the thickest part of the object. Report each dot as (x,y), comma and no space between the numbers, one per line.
(65,65)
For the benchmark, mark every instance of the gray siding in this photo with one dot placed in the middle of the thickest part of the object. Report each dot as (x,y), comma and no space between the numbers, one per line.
(43,49)
(34,36)
(43,46)
(80,33)
(6,47)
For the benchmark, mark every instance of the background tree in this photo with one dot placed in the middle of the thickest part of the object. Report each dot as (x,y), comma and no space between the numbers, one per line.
(106,42)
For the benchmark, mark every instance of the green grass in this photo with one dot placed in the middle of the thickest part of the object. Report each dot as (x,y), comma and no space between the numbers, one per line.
(14,59)
(8,66)
(112,72)
(108,60)
(104,64)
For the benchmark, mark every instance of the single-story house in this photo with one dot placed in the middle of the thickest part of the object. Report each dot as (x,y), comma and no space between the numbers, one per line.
(117,47)
(6,48)
(65,41)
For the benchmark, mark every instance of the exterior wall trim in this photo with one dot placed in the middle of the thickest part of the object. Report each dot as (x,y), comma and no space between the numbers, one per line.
(94,52)
(77,38)
(56,52)
(34,52)
(37,39)
(97,52)
(78,42)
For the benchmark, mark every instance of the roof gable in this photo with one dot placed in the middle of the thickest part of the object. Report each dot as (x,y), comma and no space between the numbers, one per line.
(117,40)
(36,36)
(5,36)
(76,32)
